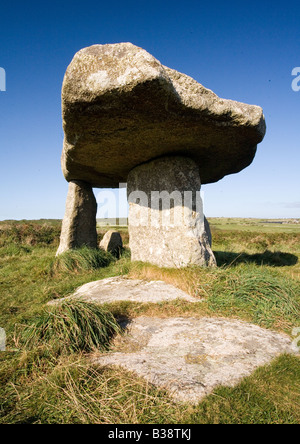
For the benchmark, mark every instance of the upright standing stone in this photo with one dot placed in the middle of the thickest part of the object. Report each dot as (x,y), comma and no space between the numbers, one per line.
(79,224)
(166,220)
(112,242)
(207,232)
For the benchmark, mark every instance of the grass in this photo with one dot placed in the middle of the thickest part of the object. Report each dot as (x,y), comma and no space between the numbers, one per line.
(264,296)
(82,259)
(71,326)
(269,396)
(257,225)
(46,375)
(257,294)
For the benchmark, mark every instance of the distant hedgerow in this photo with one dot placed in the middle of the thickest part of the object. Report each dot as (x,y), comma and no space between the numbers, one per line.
(30,234)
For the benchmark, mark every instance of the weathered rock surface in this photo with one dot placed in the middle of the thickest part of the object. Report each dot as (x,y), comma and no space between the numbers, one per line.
(190,356)
(166,221)
(79,224)
(134,290)
(2,340)
(122,108)
(112,242)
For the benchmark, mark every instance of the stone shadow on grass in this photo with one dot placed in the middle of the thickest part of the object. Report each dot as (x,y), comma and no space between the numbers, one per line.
(273,259)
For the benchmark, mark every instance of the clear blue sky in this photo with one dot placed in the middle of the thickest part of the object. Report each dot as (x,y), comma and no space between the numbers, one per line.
(241,50)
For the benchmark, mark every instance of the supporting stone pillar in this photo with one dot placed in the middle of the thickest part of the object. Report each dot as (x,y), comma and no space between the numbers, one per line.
(167,226)
(79,224)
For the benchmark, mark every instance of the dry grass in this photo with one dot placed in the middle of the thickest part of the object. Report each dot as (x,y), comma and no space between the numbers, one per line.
(192,280)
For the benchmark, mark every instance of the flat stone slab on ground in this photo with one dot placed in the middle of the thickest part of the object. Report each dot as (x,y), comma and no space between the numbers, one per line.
(123,289)
(192,356)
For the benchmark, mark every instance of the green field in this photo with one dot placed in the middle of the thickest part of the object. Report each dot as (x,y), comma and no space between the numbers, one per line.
(257,225)
(49,378)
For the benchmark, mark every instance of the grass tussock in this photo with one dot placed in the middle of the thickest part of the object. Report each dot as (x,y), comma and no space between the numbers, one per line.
(82,259)
(264,296)
(71,326)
